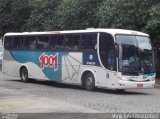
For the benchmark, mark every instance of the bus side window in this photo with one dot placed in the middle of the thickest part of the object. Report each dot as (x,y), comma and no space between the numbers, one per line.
(53,40)
(8,42)
(59,43)
(68,42)
(71,42)
(17,42)
(30,43)
(42,42)
(89,41)
(76,42)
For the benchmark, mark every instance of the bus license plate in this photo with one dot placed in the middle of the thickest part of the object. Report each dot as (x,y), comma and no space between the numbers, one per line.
(139,85)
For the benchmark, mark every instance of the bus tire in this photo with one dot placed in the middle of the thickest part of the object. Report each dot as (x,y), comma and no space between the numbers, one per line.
(89,81)
(24,74)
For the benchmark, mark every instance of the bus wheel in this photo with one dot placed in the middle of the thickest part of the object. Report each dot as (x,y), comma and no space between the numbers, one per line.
(24,74)
(89,82)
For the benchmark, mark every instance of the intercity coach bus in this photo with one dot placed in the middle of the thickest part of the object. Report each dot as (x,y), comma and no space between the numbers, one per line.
(107,58)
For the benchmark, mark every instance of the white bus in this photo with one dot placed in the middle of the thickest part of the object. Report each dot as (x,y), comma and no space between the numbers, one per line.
(107,58)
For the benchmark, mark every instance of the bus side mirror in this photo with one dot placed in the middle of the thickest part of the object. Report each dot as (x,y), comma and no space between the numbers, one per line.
(116,49)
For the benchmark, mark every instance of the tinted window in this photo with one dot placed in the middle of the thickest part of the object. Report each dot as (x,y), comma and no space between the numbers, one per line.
(68,42)
(57,42)
(107,51)
(17,42)
(76,42)
(89,41)
(53,42)
(72,42)
(65,42)
(43,42)
(8,42)
(30,42)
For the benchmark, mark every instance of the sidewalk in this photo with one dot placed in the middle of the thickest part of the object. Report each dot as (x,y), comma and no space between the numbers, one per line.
(157,85)
(13,101)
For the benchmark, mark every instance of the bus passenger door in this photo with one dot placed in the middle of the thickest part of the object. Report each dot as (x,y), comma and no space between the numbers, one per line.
(108,58)
(111,66)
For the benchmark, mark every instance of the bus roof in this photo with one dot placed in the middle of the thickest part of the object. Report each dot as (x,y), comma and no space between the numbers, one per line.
(89,30)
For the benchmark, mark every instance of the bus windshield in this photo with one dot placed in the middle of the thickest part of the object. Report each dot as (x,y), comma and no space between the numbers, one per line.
(135,54)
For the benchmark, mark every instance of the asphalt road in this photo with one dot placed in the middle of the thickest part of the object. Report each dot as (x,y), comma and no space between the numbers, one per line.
(62,98)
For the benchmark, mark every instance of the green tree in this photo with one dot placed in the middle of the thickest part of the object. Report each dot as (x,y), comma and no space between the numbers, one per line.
(153,23)
(13,14)
(124,14)
(77,14)
(153,26)
(43,15)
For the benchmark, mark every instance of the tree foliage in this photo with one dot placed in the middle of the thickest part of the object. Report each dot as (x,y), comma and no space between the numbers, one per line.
(153,23)
(128,14)
(77,14)
(13,14)
(43,15)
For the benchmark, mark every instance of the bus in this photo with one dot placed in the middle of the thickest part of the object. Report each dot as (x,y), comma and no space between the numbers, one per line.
(107,58)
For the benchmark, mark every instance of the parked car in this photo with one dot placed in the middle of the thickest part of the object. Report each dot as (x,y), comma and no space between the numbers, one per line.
(1,52)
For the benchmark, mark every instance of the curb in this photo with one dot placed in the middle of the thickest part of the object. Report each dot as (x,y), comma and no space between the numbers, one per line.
(157,86)
(157,83)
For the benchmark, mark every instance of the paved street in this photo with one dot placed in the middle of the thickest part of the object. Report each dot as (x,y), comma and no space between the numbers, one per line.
(66,98)
(50,97)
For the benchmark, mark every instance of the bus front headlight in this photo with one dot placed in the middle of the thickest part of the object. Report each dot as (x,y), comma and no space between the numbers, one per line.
(123,78)
(152,79)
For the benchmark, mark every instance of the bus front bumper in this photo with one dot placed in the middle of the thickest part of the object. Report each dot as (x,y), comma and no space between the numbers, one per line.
(131,84)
